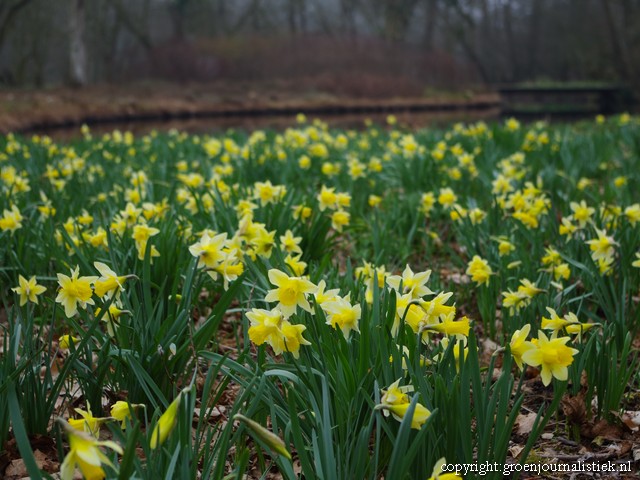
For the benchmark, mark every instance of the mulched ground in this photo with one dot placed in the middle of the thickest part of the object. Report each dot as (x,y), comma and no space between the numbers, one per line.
(32,110)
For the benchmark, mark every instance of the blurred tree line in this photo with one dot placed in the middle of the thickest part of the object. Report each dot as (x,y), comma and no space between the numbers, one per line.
(437,43)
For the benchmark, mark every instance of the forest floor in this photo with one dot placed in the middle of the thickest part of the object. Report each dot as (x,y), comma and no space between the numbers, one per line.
(25,110)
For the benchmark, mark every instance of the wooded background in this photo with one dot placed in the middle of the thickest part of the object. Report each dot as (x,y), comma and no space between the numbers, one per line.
(352,45)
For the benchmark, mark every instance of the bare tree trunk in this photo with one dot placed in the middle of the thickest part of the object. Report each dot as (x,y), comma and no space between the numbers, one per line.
(7,14)
(397,17)
(432,21)
(139,32)
(461,27)
(176,12)
(534,34)
(302,12)
(348,11)
(77,46)
(514,72)
(620,55)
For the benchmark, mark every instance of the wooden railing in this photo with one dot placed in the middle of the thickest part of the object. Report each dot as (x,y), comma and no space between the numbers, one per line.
(564,99)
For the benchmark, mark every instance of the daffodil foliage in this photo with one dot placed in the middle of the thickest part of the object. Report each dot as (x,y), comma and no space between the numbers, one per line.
(328,303)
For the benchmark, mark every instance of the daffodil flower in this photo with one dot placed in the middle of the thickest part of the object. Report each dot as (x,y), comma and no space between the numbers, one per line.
(519,344)
(396,402)
(65,341)
(88,423)
(413,283)
(122,410)
(290,293)
(85,453)
(109,283)
(438,472)
(74,291)
(269,326)
(449,326)
(553,355)
(341,314)
(28,290)
(167,422)
(479,270)
(271,439)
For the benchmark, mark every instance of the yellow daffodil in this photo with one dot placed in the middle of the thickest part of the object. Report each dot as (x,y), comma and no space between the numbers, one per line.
(122,410)
(449,326)
(296,265)
(327,198)
(269,326)
(411,311)
(167,422)
(271,439)
(457,341)
(374,201)
(88,423)
(85,453)
(28,290)
(109,283)
(555,323)
(582,213)
(65,341)
(479,270)
(341,314)
(632,212)
(322,295)
(263,241)
(209,249)
(438,472)
(340,219)
(301,212)
(519,344)
(552,355)
(74,291)
(396,401)
(602,247)
(505,247)
(230,269)
(290,244)
(141,235)
(413,283)
(514,301)
(447,198)
(11,220)
(290,293)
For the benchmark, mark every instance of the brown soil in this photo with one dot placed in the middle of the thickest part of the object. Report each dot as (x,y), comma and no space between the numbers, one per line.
(30,110)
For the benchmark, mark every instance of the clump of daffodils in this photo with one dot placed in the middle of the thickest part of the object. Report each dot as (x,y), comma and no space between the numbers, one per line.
(602,251)
(270,326)
(521,298)
(218,255)
(76,291)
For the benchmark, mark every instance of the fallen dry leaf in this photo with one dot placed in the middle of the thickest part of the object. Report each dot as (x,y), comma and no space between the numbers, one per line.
(515,451)
(18,470)
(631,420)
(603,429)
(574,408)
(524,423)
